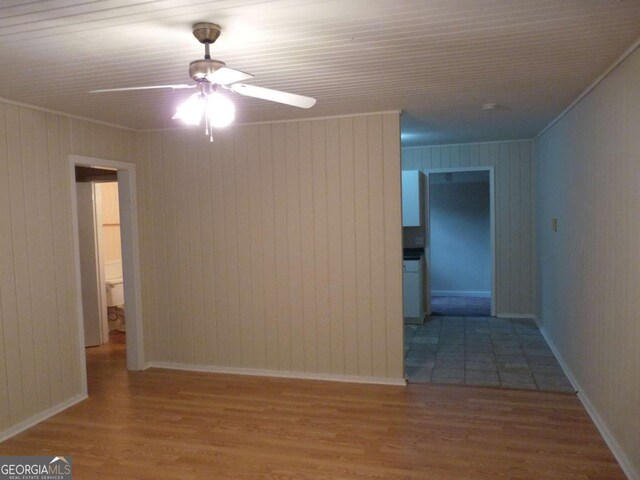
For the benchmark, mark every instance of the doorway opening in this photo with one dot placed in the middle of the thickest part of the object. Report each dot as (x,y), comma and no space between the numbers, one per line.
(449,274)
(107,263)
(99,234)
(460,243)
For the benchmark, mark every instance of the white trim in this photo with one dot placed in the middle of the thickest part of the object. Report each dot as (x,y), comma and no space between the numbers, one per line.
(63,114)
(278,374)
(306,119)
(460,293)
(625,463)
(467,143)
(492,222)
(516,315)
(40,417)
(130,259)
(626,54)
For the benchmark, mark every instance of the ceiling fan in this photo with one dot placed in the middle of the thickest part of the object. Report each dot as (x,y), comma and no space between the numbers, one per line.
(210,76)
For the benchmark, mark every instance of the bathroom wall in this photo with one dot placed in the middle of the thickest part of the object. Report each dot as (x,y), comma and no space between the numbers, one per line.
(39,350)
(111,246)
(275,248)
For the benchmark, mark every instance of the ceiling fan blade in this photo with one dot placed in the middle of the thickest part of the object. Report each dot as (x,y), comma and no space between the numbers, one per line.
(274,95)
(149,87)
(226,75)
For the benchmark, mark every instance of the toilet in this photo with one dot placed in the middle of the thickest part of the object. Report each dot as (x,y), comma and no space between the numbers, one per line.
(115,303)
(115,292)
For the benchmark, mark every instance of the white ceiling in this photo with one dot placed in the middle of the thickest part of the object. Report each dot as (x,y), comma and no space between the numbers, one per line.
(437,60)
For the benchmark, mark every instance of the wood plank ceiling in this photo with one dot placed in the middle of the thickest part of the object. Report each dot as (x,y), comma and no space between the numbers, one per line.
(437,60)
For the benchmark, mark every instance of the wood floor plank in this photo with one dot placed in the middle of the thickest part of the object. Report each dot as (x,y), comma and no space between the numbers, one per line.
(173,424)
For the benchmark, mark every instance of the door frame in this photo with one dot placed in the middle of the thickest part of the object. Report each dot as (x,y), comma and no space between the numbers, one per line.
(492,222)
(130,258)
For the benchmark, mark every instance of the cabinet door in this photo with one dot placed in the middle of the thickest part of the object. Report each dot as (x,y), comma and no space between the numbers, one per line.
(411,199)
(411,294)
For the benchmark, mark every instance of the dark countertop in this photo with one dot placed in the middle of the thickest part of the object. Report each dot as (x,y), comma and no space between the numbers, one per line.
(413,253)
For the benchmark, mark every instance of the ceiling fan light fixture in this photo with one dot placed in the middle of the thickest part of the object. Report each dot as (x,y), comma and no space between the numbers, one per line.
(191,110)
(220,111)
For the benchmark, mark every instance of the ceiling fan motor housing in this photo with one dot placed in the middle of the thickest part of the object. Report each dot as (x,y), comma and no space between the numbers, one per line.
(200,69)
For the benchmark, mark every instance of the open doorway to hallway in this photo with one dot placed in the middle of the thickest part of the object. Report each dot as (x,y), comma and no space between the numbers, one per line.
(460,243)
(448,232)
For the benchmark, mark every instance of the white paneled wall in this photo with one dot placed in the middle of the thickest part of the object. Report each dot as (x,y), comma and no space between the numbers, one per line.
(588,177)
(513,196)
(39,357)
(277,247)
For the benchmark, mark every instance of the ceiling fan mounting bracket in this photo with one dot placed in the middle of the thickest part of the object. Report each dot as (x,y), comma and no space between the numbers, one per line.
(206,33)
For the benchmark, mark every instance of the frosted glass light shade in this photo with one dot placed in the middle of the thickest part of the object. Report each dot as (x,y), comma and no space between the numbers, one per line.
(220,110)
(191,110)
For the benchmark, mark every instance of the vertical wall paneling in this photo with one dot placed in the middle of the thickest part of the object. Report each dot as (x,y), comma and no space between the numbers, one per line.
(147,250)
(294,246)
(363,244)
(161,285)
(308,248)
(297,246)
(511,161)
(334,234)
(268,227)
(49,307)
(29,125)
(11,375)
(377,253)
(255,247)
(194,238)
(321,244)
(21,259)
(349,268)
(207,278)
(244,248)
(587,174)
(281,239)
(183,183)
(40,366)
(393,243)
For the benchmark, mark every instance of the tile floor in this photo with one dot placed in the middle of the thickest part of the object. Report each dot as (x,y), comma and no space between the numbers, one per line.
(496,352)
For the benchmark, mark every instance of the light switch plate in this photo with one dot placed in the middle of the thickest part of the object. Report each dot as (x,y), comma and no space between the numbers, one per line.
(554,224)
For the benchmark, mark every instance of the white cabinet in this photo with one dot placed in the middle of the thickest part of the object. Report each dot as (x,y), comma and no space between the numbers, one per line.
(412,198)
(413,290)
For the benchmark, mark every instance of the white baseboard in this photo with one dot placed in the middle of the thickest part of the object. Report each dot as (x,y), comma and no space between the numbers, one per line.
(279,374)
(627,467)
(461,293)
(40,417)
(516,315)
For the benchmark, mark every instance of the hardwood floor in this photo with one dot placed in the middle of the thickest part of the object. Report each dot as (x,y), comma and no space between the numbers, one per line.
(170,424)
